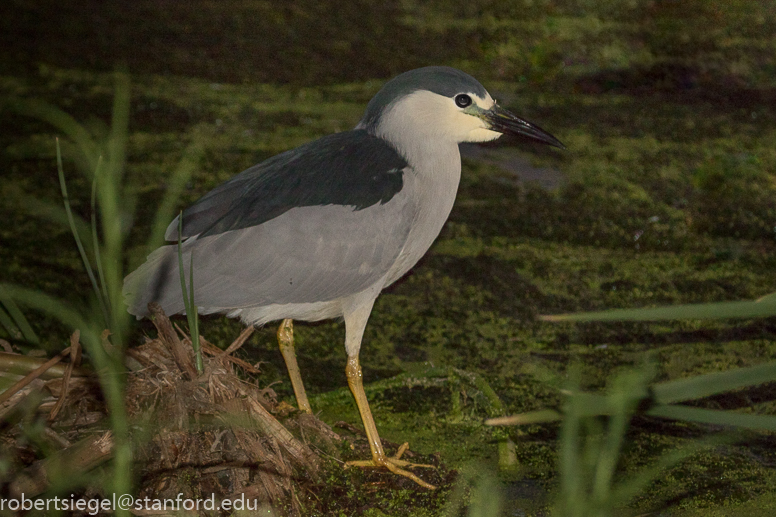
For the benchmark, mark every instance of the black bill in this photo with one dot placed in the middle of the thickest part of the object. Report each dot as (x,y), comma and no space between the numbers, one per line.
(503,121)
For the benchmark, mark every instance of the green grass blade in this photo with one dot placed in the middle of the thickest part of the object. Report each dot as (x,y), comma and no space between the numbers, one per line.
(115,204)
(585,405)
(572,474)
(715,417)
(532,417)
(46,303)
(193,316)
(712,383)
(181,273)
(9,326)
(487,496)
(746,309)
(55,213)
(15,321)
(768,298)
(188,297)
(74,230)
(62,121)
(95,237)
(590,404)
(624,402)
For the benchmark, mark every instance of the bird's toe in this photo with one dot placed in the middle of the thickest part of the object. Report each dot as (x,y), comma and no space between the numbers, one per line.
(395,464)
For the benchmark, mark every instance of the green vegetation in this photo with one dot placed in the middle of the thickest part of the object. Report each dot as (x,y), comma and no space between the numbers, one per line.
(105,158)
(192,316)
(666,197)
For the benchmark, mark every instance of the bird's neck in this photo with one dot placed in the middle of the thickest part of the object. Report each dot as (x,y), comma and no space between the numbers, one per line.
(431,183)
(436,167)
(428,154)
(436,172)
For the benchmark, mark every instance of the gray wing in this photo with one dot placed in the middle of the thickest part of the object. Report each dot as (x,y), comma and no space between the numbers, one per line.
(307,254)
(353,168)
(316,223)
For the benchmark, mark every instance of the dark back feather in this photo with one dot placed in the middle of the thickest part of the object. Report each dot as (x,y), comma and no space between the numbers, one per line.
(353,168)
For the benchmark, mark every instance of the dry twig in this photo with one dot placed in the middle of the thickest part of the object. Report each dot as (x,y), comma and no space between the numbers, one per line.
(35,386)
(81,457)
(179,353)
(33,375)
(75,354)
(240,341)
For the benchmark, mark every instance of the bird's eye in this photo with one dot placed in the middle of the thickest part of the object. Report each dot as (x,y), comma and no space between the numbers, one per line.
(462,100)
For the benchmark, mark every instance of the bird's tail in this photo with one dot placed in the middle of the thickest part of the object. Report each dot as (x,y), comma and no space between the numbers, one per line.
(157,280)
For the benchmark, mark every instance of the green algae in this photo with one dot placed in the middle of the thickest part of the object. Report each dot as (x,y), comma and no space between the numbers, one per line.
(666,198)
(472,303)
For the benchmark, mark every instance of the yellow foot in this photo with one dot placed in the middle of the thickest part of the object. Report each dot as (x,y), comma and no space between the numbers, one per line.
(395,464)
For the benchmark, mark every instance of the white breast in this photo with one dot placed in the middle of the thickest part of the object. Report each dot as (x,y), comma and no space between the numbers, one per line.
(432,184)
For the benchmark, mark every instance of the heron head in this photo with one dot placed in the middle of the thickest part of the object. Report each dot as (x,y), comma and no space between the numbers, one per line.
(446,103)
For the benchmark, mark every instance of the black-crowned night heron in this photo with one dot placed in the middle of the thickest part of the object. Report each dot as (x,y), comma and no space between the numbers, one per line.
(319,231)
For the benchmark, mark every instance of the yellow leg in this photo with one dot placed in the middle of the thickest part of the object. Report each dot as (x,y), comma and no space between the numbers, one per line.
(379,459)
(286,342)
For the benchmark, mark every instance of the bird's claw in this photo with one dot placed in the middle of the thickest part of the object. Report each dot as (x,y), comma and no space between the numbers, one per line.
(395,464)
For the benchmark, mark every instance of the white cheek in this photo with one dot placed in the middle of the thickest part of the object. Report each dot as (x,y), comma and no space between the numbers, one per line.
(486,102)
(482,135)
